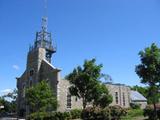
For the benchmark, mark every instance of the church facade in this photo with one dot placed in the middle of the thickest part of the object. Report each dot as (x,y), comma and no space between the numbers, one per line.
(39,68)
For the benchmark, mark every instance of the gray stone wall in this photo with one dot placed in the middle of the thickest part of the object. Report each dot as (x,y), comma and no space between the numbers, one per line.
(43,70)
(48,73)
(21,85)
(123,94)
(122,90)
(76,103)
(34,62)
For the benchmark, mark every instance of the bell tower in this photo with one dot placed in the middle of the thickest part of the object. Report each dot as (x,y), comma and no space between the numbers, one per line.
(38,66)
(42,49)
(44,40)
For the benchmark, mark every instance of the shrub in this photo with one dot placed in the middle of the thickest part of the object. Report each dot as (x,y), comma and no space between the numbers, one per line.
(75,113)
(158,114)
(108,113)
(148,111)
(135,106)
(67,115)
(49,116)
(117,112)
(90,113)
(38,115)
(95,113)
(87,113)
(61,116)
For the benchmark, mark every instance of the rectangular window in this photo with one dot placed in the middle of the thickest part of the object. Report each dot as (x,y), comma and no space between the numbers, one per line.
(30,82)
(76,99)
(124,102)
(69,104)
(24,91)
(116,97)
(31,72)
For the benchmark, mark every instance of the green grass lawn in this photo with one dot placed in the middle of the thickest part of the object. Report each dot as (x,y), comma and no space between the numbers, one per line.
(134,114)
(134,118)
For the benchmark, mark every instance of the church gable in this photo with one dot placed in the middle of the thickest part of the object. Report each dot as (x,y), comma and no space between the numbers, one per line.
(47,68)
(49,73)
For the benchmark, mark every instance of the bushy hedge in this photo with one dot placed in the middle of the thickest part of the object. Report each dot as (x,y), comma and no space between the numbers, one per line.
(117,112)
(108,113)
(90,113)
(49,116)
(149,112)
(135,106)
(95,113)
(73,114)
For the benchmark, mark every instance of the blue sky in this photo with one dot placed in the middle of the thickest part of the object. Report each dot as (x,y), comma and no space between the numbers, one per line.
(112,31)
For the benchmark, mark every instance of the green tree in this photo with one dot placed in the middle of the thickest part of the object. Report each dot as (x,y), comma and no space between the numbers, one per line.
(11,95)
(9,102)
(7,106)
(144,91)
(140,89)
(12,103)
(85,83)
(101,96)
(41,97)
(149,72)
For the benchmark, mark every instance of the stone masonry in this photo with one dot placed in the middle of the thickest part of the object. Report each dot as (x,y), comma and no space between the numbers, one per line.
(39,68)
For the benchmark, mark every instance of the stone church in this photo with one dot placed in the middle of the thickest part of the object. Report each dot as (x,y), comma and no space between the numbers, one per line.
(39,68)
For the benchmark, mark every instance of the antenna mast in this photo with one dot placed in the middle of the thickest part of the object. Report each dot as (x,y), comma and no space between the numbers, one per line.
(43,37)
(45,8)
(44,19)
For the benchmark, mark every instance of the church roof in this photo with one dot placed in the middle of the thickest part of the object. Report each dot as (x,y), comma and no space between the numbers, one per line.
(50,64)
(136,96)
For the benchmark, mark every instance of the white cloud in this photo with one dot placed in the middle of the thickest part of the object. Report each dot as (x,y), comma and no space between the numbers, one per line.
(16,67)
(5,91)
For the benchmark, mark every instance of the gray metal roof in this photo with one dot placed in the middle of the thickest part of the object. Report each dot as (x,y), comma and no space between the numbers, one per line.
(136,96)
(118,84)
